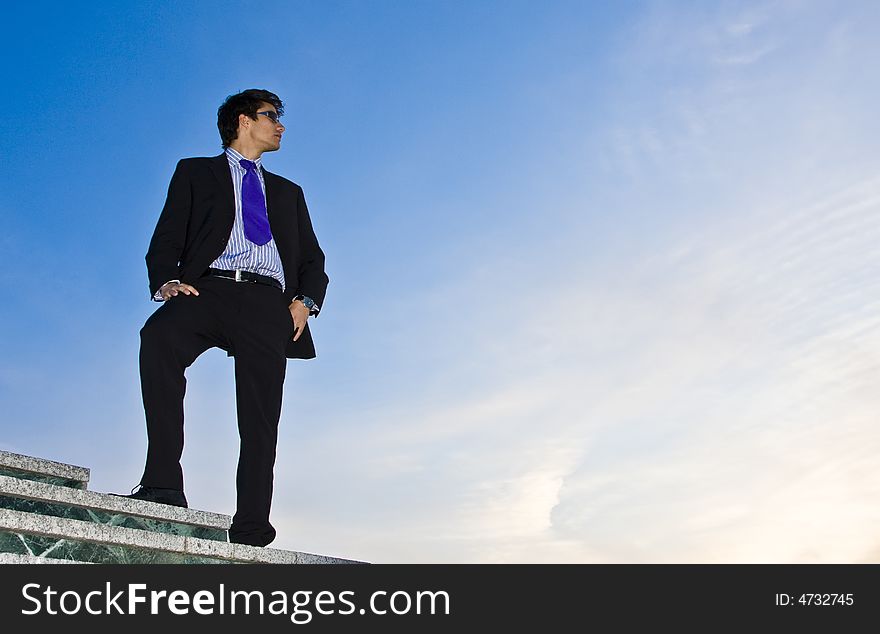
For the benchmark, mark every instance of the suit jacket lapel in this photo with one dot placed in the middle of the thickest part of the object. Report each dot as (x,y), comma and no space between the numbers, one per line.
(220,167)
(278,220)
(271,190)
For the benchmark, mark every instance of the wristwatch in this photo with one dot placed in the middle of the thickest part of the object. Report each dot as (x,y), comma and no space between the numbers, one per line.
(309,303)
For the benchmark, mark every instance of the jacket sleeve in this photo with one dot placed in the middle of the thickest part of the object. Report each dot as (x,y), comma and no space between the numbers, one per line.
(169,237)
(312,278)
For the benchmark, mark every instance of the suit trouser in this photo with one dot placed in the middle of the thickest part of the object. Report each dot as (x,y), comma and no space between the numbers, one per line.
(253,323)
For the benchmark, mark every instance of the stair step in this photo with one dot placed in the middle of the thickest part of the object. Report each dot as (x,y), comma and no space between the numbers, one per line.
(41,470)
(102,508)
(57,537)
(15,558)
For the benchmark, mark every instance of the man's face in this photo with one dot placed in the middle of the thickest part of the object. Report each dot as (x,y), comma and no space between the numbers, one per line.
(264,133)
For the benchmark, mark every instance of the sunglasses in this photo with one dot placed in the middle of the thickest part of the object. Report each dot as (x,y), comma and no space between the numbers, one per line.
(272,115)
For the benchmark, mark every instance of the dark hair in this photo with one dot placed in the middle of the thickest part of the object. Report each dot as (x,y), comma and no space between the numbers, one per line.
(246,102)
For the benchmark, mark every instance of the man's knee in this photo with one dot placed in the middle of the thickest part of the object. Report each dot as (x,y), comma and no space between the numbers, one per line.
(155,332)
(162,334)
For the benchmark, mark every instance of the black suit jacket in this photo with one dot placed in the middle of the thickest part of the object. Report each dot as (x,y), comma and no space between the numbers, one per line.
(196,222)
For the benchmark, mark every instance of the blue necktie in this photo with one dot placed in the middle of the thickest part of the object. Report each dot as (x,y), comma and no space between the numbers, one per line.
(253,206)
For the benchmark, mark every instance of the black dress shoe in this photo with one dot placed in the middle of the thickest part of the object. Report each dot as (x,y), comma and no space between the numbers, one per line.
(251,540)
(173,497)
(260,537)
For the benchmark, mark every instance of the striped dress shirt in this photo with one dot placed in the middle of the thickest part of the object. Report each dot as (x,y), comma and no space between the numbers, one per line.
(241,253)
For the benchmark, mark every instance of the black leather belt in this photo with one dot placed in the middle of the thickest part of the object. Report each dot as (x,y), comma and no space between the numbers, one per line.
(244,276)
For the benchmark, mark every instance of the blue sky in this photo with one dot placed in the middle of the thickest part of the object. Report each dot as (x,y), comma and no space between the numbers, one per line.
(604,276)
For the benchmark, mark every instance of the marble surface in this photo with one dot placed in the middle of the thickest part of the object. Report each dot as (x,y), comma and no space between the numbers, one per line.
(72,551)
(36,467)
(46,536)
(104,503)
(40,477)
(114,519)
(15,558)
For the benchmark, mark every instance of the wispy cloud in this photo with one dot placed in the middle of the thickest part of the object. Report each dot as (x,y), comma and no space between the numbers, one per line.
(706,394)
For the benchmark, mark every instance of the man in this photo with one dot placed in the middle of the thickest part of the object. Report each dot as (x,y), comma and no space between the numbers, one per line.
(237,265)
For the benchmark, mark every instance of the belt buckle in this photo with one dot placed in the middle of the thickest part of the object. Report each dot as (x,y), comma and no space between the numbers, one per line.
(237,275)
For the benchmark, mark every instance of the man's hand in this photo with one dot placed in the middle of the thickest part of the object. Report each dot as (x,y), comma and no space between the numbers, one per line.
(171,289)
(300,315)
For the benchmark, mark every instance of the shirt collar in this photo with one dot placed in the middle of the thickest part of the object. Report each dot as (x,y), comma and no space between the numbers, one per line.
(235,157)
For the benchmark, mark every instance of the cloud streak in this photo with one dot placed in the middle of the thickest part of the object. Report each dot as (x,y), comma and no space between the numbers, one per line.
(706,395)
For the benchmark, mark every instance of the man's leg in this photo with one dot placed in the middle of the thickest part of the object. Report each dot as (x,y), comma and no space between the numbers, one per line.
(172,338)
(260,365)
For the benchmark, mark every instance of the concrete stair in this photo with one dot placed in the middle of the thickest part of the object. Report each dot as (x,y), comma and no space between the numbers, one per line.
(48,515)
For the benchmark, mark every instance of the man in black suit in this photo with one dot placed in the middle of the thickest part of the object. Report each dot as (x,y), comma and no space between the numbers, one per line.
(237,266)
